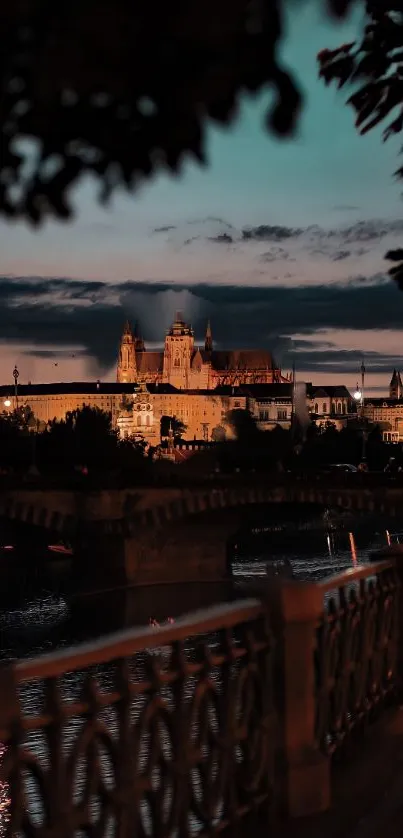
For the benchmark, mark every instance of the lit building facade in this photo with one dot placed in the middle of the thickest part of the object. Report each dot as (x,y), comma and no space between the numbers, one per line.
(330,404)
(189,367)
(387,412)
(388,415)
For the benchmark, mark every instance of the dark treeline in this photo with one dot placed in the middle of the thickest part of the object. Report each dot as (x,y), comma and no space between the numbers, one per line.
(85,443)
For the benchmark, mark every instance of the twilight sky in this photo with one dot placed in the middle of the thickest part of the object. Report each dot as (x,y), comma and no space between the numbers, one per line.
(280,244)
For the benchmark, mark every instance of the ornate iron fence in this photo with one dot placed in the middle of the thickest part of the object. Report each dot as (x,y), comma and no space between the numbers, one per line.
(356,650)
(165,733)
(174,732)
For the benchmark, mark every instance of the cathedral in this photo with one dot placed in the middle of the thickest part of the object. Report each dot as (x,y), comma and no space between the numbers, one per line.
(396,386)
(186,366)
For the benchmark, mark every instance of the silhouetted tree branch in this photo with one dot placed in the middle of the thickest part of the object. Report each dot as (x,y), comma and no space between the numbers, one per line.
(375,66)
(120,89)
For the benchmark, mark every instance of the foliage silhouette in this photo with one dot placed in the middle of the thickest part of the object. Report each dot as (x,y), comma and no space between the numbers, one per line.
(375,67)
(172,423)
(120,89)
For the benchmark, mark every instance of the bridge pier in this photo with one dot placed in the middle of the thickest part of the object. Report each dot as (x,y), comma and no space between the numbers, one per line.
(182,553)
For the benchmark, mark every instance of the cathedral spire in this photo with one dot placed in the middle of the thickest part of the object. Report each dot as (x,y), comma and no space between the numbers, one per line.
(126,371)
(208,340)
(394,387)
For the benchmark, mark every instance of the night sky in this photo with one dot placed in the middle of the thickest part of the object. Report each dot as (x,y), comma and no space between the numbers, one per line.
(280,244)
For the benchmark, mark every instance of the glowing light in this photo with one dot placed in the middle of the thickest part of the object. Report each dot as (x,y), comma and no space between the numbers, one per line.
(353,549)
(5,800)
(7,403)
(357,395)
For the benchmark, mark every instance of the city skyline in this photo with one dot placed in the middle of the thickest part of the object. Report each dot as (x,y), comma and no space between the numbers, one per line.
(280,244)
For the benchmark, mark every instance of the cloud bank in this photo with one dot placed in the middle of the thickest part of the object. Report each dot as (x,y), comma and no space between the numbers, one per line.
(307,325)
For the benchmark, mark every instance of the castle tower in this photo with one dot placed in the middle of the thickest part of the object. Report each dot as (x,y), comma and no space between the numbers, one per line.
(395,386)
(208,340)
(127,370)
(178,352)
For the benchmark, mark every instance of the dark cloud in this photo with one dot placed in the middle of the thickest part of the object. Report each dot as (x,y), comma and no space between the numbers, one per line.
(211,219)
(165,229)
(223,238)
(275,254)
(266,232)
(59,312)
(315,240)
(345,361)
(366,231)
(342,254)
(59,354)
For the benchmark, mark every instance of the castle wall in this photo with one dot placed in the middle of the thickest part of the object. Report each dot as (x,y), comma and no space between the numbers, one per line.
(201,413)
(47,407)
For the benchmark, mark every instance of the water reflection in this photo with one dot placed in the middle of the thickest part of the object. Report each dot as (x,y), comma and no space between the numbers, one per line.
(4,799)
(43,619)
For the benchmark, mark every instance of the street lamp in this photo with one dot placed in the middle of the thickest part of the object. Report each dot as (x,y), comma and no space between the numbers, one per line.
(7,402)
(359,399)
(16,376)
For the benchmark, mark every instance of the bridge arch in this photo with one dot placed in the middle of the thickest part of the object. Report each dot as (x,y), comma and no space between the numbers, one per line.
(192,504)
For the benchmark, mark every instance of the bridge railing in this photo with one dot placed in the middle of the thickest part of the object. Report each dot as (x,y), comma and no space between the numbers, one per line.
(222,717)
(155,732)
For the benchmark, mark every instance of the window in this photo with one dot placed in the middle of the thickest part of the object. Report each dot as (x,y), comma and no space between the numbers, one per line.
(148,421)
(138,421)
(316,408)
(339,409)
(281,415)
(324,407)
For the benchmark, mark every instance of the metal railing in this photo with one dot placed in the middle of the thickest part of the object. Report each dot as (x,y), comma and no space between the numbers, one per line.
(145,733)
(179,731)
(356,652)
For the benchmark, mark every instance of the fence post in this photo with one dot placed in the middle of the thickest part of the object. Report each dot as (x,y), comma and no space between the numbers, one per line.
(395,552)
(10,726)
(296,609)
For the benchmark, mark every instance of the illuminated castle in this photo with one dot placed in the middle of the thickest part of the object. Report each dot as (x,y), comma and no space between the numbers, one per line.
(189,367)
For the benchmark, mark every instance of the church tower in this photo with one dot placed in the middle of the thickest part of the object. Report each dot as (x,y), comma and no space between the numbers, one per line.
(178,353)
(208,340)
(127,370)
(395,386)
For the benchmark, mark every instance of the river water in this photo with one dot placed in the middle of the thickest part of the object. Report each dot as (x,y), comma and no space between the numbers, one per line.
(44,617)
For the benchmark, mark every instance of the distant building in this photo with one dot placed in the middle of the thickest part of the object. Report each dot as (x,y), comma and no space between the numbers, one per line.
(330,403)
(189,367)
(271,405)
(387,414)
(395,386)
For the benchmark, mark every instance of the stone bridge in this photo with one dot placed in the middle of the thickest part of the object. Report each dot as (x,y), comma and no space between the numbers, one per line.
(171,533)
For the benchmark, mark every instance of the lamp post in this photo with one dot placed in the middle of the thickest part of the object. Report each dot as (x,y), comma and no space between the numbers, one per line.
(359,399)
(16,376)
(362,387)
